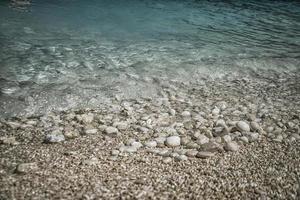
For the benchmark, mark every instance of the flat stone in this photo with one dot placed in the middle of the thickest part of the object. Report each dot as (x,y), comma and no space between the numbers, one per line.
(202,139)
(14,125)
(212,147)
(181,158)
(173,141)
(54,138)
(191,153)
(192,145)
(167,160)
(8,141)
(204,154)
(115,152)
(26,168)
(136,145)
(128,149)
(151,144)
(243,126)
(231,146)
(164,153)
(111,130)
(91,131)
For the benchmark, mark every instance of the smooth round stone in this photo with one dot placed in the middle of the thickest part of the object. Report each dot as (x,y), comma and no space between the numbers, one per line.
(181,158)
(102,127)
(174,154)
(254,126)
(180,151)
(136,145)
(215,111)
(243,126)
(244,139)
(128,149)
(173,141)
(231,146)
(164,153)
(167,160)
(202,139)
(160,140)
(226,138)
(53,138)
(91,131)
(111,130)
(204,154)
(192,145)
(115,152)
(26,168)
(270,129)
(253,137)
(279,138)
(221,123)
(191,153)
(185,114)
(172,112)
(151,144)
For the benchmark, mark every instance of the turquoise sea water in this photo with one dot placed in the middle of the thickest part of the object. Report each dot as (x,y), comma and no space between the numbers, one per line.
(59,54)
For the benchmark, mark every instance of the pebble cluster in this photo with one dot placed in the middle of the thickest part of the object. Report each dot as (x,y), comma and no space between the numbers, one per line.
(185,124)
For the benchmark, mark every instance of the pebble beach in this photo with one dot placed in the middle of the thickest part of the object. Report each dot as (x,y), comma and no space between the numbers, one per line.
(235,137)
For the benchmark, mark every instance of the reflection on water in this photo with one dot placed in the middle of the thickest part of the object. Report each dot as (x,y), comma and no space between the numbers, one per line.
(81,51)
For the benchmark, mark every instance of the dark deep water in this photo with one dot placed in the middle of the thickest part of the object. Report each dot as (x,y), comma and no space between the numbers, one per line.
(66,53)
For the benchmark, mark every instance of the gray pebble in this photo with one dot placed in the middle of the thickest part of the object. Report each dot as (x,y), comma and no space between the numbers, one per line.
(26,168)
(173,141)
(243,126)
(54,138)
(204,154)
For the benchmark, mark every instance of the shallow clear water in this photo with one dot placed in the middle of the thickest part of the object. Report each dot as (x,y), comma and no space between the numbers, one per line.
(66,53)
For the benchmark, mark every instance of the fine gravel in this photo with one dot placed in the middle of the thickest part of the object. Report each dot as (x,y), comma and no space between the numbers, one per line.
(263,170)
(231,138)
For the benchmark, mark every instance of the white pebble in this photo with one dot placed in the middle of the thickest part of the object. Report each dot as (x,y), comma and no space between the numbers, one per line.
(243,126)
(185,114)
(173,141)
(231,146)
(151,144)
